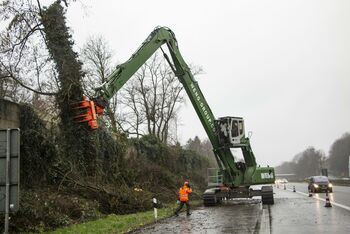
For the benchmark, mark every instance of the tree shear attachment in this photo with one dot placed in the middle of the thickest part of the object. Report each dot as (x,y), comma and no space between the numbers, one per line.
(87,111)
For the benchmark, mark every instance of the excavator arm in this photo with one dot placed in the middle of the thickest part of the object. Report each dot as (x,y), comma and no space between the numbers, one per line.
(220,132)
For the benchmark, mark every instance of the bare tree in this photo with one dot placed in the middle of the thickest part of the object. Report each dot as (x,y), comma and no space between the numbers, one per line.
(24,58)
(36,52)
(27,72)
(131,115)
(154,96)
(97,58)
(9,89)
(151,97)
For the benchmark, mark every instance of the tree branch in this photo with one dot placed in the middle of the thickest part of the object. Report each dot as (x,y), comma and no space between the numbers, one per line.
(25,86)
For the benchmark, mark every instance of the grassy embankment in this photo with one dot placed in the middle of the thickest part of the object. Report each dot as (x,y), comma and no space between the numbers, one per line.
(120,223)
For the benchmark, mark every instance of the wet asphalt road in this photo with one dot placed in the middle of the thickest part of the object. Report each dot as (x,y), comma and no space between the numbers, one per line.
(298,213)
(230,217)
(291,213)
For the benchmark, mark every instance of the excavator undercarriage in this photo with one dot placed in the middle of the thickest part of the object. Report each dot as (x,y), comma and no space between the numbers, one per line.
(214,196)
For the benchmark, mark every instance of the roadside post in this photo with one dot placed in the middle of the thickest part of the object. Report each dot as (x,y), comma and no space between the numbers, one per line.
(310,194)
(9,173)
(328,202)
(155,208)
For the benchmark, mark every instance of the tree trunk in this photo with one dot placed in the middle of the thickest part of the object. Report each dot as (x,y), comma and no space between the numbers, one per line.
(77,143)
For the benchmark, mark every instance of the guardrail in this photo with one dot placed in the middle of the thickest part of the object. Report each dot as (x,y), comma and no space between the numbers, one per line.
(342,182)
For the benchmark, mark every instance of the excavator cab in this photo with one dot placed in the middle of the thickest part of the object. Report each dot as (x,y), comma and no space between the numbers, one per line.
(230,130)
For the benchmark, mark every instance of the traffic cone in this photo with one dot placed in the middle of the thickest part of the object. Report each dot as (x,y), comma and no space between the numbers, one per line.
(294,189)
(328,202)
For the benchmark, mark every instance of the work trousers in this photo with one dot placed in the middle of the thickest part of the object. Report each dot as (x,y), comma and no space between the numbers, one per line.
(182,205)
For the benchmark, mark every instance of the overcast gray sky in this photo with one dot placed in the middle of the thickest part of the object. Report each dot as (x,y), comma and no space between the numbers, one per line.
(282,65)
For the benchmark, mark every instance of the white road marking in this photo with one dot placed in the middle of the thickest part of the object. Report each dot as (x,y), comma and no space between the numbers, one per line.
(321,199)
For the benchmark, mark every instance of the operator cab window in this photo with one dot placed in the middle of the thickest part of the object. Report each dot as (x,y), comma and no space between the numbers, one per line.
(234,130)
(241,127)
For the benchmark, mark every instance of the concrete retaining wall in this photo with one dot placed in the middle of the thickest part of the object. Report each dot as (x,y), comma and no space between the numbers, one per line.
(9,114)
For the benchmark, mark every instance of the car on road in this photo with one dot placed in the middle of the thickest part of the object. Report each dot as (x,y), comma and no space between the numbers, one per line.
(281,181)
(319,184)
(284,181)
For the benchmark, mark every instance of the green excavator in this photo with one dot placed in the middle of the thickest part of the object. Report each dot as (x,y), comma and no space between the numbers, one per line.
(232,179)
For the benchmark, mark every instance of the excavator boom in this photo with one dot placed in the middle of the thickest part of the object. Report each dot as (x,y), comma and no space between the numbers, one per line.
(224,133)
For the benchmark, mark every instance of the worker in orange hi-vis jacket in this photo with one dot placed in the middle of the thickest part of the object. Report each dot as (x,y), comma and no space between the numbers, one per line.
(184,191)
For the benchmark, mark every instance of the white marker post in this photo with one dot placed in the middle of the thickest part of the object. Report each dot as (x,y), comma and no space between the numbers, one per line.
(155,208)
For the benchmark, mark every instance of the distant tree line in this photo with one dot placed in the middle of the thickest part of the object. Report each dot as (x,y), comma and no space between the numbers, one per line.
(310,161)
(339,153)
(202,147)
